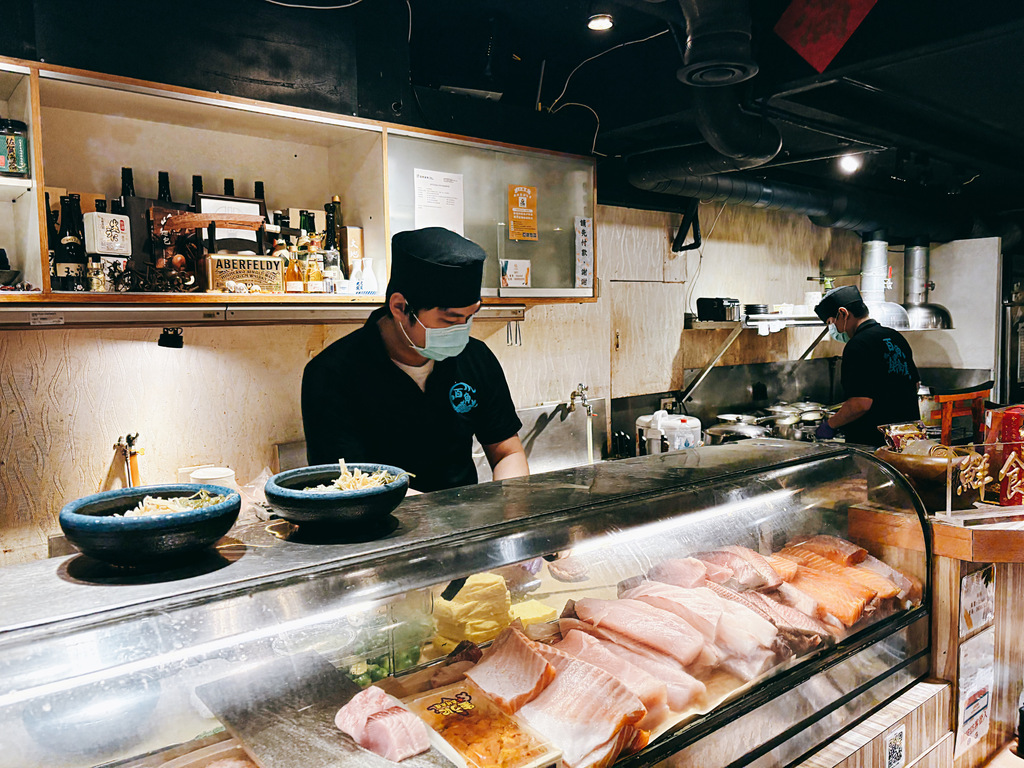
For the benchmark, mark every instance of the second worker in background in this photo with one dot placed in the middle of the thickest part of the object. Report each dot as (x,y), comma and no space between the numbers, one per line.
(411,388)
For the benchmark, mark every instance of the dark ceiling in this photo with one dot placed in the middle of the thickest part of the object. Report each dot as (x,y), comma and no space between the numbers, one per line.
(929,90)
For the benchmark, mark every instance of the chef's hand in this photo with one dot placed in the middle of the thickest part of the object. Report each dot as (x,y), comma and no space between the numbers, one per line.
(824,431)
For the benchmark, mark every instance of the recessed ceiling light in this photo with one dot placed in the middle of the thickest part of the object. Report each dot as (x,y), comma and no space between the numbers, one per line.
(850,163)
(600,22)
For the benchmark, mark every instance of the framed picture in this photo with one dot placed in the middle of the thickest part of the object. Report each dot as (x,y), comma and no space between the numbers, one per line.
(234,240)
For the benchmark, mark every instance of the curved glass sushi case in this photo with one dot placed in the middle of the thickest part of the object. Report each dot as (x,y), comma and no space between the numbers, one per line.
(261,642)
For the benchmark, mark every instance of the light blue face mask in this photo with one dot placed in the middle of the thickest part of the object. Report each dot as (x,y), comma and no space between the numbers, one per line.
(442,343)
(835,334)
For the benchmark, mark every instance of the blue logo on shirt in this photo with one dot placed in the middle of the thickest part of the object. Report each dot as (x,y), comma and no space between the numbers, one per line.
(461,395)
(896,359)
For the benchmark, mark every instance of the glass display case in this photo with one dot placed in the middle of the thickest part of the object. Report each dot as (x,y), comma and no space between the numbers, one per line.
(800,572)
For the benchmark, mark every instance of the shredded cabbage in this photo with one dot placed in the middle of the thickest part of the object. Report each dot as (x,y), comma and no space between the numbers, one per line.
(157,505)
(356,481)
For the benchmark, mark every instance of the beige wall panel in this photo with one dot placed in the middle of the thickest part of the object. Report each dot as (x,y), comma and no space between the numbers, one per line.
(646,331)
(562,345)
(632,245)
(68,396)
(763,257)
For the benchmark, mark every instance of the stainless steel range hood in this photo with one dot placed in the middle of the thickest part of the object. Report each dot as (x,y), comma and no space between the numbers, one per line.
(923,315)
(874,279)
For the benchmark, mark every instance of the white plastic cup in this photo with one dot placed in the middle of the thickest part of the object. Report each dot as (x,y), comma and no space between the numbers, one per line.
(214,476)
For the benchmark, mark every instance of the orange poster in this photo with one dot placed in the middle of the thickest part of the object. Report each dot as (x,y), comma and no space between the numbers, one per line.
(522,212)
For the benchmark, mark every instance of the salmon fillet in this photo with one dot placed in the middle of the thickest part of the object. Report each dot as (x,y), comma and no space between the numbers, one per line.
(659,629)
(784,567)
(511,671)
(823,565)
(834,548)
(882,587)
(837,597)
(582,709)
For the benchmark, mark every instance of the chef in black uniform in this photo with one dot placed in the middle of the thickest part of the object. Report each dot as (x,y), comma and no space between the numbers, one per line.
(411,388)
(879,377)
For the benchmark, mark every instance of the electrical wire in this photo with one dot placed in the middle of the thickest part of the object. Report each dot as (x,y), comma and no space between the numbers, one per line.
(315,7)
(593,145)
(700,258)
(602,53)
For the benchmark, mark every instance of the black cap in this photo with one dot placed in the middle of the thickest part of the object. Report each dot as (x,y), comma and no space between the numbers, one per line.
(843,296)
(434,267)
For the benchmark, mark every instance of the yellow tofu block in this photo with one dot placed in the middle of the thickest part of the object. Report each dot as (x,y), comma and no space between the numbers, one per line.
(533,612)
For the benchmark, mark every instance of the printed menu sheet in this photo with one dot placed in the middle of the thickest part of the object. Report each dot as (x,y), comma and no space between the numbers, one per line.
(974,694)
(438,200)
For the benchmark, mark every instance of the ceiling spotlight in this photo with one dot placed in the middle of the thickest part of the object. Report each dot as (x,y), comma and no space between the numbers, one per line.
(600,18)
(171,338)
(850,163)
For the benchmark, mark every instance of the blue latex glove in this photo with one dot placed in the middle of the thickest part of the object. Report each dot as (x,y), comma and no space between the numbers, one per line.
(824,431)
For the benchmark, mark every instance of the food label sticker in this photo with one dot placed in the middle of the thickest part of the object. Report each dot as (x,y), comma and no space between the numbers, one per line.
(46,318)
(522,212)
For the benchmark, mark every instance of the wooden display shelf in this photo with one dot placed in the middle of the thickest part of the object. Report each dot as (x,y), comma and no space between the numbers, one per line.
(977,546)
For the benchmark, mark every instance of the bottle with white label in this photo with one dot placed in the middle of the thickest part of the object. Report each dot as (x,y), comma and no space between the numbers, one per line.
(69,260)
(356,276)
(369,281)
(293,282)
(314,271)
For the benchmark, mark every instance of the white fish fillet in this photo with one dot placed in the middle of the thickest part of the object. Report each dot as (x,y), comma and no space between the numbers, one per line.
(650,626)
(380,723)
(511,671)
(582,709)
(651,691)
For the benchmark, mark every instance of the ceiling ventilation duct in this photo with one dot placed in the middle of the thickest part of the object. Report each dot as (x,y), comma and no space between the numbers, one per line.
(717,43)
(874,279)
(923,316)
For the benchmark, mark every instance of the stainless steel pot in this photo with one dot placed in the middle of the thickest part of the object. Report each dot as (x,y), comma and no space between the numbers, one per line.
(727,433)
(737,418)
(782,408)
(785,425)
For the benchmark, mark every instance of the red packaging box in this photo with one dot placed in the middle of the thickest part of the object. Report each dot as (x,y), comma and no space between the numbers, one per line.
(1004,426)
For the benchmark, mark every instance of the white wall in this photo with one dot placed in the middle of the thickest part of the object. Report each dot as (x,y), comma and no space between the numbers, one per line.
(967,276)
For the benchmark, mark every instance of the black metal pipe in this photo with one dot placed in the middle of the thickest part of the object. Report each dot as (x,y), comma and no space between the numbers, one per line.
(749,140)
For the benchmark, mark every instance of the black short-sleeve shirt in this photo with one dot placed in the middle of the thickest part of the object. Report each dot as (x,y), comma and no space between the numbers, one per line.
(358,405)
(878,363)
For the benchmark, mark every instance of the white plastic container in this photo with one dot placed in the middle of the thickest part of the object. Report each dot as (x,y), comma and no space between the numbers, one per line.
(681,432)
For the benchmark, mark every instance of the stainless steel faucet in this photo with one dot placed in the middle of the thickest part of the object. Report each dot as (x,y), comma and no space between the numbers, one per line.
(580,393)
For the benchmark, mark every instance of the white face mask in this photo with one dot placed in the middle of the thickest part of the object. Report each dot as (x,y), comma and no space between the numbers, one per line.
(442,343)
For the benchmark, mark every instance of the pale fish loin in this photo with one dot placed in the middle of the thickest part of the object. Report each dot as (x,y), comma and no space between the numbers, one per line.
(511,671)
(682,572)
(659,629)
(759,563)
(652,692)
(582,709)
(683,688)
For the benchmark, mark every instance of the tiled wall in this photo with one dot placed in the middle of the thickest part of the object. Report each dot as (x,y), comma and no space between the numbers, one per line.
(67,395)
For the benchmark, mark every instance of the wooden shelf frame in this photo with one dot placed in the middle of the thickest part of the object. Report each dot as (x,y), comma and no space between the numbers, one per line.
(356,149)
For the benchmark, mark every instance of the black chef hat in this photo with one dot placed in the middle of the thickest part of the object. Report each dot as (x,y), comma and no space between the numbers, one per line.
(434,267)
(844,296)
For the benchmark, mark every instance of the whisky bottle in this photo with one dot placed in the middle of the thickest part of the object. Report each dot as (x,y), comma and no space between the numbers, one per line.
(293,282)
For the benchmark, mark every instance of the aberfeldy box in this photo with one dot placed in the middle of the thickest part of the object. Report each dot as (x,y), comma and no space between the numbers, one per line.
(261,271)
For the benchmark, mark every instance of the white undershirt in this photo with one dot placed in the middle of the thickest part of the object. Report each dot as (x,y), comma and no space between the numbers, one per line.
(418,373)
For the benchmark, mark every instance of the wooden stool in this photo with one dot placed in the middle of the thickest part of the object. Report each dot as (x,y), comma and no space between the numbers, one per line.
(963,402)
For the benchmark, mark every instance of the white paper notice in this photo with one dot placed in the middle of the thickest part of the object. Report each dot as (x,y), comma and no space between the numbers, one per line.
(439,200)
(974,697)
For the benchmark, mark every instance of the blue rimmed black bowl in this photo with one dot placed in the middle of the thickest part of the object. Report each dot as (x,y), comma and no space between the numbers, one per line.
(96,525)
(285,493)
